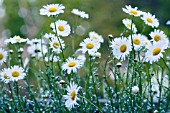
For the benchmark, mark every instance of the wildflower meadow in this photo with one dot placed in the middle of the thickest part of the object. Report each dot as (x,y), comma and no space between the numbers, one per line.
(59,76)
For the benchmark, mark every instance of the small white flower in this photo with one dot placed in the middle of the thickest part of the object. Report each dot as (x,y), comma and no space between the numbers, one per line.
(55,45)
(138,41)
(52,58)
(52,9)
(132,11)
(96,54)
(127,23)
(71,97)
(49,36)
(135,89)
(71,65)
(5,75)
(150,20)
(82,14)
(3,56)
(35,41)
(16,73)
(89,45)
(121,47)
(93,35)
(62,27)
(147,42)
(81,58)
(168,22)
(15,39)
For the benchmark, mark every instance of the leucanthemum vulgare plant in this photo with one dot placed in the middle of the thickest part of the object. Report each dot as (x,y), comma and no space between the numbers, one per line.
(134,78)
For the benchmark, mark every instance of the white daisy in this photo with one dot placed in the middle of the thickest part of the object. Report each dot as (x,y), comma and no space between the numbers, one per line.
(93,35)
(71,97)
(127,23)
(55,45)
(4,75)
(71,65)
(82,14)
(154,52)
(81,58)
(52,9)
(96,54)
(132,11)
(63,28)
(89,45)
(147,42)
(52,58)
(158,36)
(150,20)
(16,73)
(15,39)
(138,41)
(121,47)
(3,56)
(49,36)
(35,41)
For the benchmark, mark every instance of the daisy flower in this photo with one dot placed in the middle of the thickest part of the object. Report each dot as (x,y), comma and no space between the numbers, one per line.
(121,47)
(49,36)
(150,20)
(132,11)
(35,41)
(127,23)
(15,39)
(71,97)
(93,35)
(159,36)
(52,9)
(16,73)
(4,75)
(138,41)
(52,58)
(147,42)
(3,56)
(71,65)
(62,27)
(82,14)
(154,52)
(89,45)
(55,45)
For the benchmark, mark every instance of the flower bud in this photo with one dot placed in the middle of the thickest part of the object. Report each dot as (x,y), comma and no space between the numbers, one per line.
(135,89)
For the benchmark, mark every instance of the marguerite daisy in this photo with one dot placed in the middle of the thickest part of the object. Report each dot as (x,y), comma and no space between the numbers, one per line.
(16,73)
(150,20)
(89,45)
(55,44)
(127,23)
(121,47)
(71,97)
(138,41)
(62,27)
(132,11)
(4,75)
(15,39)
(71,65)
(93,35)
(3,56)
(52,9)
(82,14)
(49,36)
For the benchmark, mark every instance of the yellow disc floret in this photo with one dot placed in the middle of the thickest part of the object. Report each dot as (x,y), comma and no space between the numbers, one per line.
(73,95)
(136,41)
(15,73)
(156,51)
(61,28)
(52,9)
(71,64)
(89,45)
(123,48)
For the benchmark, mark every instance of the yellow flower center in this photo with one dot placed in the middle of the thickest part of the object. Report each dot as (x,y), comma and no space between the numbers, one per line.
(5,76)
(71,64)
(18,39)
(1,56)
(90,46)
(156,51)
(73,95)
(95,38)
(56,44)
(157,38)
(123,48)
(133,12)
(52,9)
(149,20)
(61,28)
(15,73)
(129,25)
(136,41)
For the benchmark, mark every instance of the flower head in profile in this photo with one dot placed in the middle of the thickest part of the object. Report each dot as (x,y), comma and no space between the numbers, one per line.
(150,20)
(4,75)
(35,41)
(89,45)
(132,11)
(62,27)
(95,36)
(127,23)
(15,39)
(3,56)
(49,36)
(71,65)
(121,47)
(52,9)
(16,73)
(82,14)
(71,97)
(138,41)
(55,45)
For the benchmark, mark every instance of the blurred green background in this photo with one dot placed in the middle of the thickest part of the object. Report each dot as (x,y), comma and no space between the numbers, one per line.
(21,17)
